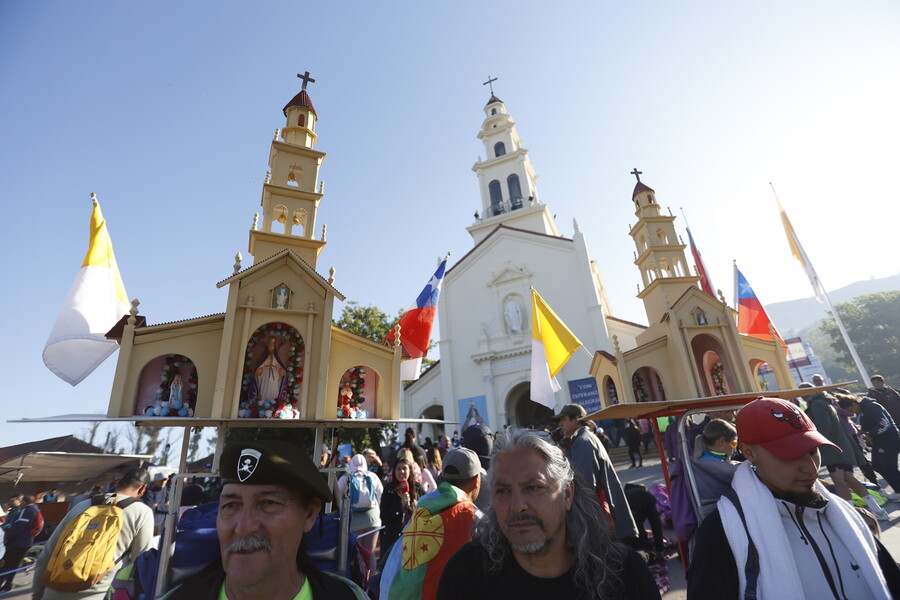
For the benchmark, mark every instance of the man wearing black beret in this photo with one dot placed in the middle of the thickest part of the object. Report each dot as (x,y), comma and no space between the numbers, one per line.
(271,497)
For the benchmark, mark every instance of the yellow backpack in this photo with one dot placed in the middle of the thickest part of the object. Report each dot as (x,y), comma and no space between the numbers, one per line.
(85,551)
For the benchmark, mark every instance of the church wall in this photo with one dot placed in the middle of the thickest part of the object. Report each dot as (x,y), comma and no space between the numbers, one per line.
(348,351)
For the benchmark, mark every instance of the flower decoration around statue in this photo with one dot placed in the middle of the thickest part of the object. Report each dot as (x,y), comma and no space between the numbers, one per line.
(176,395)
(640,393)
(611,392)
(273,373)
(351,394)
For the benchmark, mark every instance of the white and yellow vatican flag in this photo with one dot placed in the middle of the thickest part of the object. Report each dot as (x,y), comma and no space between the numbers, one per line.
(552,345)
(95,303)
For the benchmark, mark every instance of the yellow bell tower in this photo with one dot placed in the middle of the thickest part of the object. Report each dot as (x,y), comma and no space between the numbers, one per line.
(292,192)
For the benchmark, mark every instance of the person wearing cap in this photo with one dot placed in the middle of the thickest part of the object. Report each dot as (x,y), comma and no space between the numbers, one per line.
(778,533)
(590,460)
(544,536)
(135,536)
(840,462)
(885,395)
(271,497)
(440,526)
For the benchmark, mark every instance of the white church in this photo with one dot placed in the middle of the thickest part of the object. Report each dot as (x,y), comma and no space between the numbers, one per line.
(484,308)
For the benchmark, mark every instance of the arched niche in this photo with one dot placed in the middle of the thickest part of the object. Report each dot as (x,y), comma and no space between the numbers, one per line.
(763,375)
(647,385)
(715,369)
(358,393)
(610,394)
(436,412)
(273,373)
(167,387)
(520,410)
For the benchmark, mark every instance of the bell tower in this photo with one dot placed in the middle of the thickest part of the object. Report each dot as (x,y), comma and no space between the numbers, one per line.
(506,178)
(292,192)
(660,254)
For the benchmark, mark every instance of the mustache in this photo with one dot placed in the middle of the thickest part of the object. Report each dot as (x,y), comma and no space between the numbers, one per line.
(249,545)
(525,517)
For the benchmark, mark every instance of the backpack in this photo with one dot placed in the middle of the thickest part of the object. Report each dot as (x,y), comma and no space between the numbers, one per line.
(85,551)
(362,494)
(38,525)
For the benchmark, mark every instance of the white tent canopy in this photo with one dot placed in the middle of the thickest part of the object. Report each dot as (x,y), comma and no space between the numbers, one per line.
(63,466)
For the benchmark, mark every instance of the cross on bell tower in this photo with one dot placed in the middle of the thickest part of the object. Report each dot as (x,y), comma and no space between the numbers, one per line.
(306,79)
(490,83)
(636,173)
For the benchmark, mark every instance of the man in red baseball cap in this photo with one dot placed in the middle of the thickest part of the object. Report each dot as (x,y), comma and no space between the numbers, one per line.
(778,533)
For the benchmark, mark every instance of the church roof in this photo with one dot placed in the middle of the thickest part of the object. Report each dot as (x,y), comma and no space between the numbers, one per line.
(640,187)
(302,100)
(277,256)
(491,234)
(493,99)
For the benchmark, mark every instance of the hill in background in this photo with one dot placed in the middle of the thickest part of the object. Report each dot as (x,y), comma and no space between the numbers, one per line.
(794,316)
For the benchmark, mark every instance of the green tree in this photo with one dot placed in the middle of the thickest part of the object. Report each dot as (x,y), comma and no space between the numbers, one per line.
(366,321)
(873,324)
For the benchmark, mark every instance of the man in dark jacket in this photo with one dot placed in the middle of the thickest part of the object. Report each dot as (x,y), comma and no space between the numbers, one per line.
(18,539)
(886,396)
(883,434)
(590,460)
(271,497)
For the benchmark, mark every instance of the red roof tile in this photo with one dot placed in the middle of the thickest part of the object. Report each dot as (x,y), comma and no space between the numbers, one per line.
(302,100)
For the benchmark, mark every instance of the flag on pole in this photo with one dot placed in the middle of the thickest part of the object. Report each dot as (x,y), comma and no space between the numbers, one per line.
(552,344)
(95,303)
(705,281)
(752,318)
(416,324)
(818,289)
(798,253)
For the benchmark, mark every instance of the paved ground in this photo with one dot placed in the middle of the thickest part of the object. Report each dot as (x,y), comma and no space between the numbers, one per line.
(649,474)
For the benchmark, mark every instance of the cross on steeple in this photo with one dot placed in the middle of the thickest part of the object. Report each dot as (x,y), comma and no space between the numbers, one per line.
(637,174)
(490,82)
(306,79)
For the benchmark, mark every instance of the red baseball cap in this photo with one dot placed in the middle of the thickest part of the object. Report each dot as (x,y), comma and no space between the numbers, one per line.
(780,427)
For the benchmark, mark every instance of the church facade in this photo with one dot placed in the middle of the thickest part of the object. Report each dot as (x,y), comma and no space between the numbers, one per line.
(273,352)
(484,309)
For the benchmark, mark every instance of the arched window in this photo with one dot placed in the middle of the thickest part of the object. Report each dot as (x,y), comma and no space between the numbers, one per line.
(301,120)
(515,191)
(493,111)
(499,149)
(496,197)
(661,236)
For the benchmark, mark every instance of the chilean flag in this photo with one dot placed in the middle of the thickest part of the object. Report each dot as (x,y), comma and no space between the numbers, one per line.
(705,282)
(752,318)
(417,321)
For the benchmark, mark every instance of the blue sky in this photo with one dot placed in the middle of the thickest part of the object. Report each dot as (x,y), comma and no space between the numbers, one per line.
(166,111)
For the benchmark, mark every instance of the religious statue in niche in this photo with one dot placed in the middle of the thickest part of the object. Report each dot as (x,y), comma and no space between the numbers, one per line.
(175,397)
(350,397)
(273,373)
(280,297)
(512,314)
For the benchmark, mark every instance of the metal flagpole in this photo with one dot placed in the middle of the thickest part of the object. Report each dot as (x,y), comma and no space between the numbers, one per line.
(818,288)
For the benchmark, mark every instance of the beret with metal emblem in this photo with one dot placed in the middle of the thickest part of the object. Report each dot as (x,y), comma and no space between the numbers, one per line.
(273,463)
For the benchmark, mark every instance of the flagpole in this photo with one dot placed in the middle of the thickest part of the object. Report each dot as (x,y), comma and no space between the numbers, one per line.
(818,289)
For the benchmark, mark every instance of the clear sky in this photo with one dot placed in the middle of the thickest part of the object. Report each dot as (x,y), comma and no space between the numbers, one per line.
(166,111)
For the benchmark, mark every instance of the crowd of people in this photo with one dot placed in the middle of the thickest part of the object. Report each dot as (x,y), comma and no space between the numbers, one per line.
(530,513)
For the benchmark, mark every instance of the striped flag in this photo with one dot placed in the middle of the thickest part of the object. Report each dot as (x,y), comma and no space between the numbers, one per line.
(705,281)
(552,344)
(416,324)
(95,303)
(753,321)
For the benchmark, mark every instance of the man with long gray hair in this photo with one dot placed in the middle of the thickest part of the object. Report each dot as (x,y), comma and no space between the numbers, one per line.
(543,536)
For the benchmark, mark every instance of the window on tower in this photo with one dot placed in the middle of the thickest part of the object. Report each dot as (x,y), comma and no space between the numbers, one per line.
(515,191)
(301,120)
(496,197)
(499,149)
(493,111)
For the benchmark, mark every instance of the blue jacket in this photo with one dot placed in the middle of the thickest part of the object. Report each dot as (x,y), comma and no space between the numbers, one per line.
(18,534)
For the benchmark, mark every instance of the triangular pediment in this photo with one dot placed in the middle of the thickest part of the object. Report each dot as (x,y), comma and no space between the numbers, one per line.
(286,259)
(510,273)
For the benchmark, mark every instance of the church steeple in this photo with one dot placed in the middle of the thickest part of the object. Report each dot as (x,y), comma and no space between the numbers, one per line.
(506,178)
(292,192)
(660,254)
